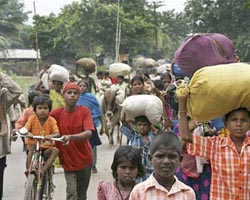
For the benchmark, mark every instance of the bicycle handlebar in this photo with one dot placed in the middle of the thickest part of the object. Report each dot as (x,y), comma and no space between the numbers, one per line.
(24,133)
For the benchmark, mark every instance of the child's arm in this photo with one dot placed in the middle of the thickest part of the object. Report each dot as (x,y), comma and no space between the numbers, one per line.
(185,132)
(127,131)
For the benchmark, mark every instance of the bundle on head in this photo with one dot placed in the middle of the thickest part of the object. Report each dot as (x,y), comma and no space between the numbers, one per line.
(86,64)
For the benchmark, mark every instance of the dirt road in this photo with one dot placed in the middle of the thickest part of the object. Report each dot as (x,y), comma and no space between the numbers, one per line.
(14,179)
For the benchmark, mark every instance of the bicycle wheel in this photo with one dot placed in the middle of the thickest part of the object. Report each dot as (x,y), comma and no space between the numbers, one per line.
(31,188)
(48,186)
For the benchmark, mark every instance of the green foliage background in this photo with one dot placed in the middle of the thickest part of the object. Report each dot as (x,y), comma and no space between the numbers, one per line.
(88,28)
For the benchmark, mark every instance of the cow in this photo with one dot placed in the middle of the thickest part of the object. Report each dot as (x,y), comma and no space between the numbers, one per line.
(111,113)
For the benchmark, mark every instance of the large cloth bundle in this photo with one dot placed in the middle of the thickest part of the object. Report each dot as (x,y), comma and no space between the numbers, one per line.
(58,73)
(87,64)
(10,91)
(217,90)
(119,69)
(148,105)
(202,50)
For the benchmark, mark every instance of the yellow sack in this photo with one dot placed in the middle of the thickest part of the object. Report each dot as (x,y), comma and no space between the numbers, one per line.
(217,90)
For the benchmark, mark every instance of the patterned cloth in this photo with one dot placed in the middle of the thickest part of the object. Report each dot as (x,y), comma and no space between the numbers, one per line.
(107,190)
(230,170)
(136,140)
(200,185)
(57,99)
(151,189)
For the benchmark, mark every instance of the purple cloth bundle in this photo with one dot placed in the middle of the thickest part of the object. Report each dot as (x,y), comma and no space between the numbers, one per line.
(202,50)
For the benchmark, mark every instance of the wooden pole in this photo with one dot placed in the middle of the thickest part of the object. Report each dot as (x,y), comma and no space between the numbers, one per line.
(117,32)
(36,41)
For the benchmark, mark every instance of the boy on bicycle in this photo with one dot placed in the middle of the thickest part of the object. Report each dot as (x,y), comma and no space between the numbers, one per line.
(40,123)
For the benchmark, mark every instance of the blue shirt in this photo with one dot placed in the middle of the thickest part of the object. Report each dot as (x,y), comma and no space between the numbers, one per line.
(136,140)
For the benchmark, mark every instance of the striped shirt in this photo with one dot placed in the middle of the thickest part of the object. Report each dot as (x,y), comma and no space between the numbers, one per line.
(230,169)
(152,190)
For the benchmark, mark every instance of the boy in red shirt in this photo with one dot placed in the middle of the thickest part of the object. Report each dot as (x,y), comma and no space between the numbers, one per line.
(76,125)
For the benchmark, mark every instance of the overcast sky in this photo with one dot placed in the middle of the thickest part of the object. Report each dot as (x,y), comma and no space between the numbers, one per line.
(45,7)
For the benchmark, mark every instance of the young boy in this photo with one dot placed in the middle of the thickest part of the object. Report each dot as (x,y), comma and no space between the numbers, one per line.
(141,139)
(41,123)
(165,155)
(229,156)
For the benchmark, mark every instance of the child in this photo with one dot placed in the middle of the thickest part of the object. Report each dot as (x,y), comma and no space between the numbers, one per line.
(126,167)
(229,156)
(165,155)
(141,138)
(137,85)
(41,123)
(26,114)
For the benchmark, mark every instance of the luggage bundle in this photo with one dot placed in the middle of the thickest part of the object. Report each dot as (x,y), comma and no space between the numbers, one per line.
(216,90)
(58,73)
(119,69)
(9,90)
(88,65)
(146,65)
(206,49)
(148,105)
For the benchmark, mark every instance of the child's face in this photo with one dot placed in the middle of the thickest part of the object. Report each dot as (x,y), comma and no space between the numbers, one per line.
(83,87)
(127,172)
(238,124)
(165,160)
(166,81)
(57,85)
(71,97)
(142,128)
(138,87)
(42,111)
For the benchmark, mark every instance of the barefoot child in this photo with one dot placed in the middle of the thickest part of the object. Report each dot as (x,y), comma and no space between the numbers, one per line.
(42,124)
(126,167)
(165,155)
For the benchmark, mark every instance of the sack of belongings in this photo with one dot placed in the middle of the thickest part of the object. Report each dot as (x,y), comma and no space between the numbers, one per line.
(148,105)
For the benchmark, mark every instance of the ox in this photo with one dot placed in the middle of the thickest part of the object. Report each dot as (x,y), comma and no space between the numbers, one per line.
(110,104)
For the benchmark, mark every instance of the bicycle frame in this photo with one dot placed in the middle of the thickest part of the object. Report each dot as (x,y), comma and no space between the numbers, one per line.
(36,183)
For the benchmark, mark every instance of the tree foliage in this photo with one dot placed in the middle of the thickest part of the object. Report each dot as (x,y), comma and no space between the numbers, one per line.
(89,28)
(11,19)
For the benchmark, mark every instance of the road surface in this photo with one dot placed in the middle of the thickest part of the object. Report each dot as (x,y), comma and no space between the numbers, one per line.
(14,178)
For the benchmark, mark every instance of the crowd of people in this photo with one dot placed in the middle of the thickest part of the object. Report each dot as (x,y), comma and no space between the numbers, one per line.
(179,158)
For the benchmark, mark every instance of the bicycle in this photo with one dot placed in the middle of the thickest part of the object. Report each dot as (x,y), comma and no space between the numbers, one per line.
(38,186)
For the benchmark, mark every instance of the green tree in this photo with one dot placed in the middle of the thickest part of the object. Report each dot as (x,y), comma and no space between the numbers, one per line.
(11,17)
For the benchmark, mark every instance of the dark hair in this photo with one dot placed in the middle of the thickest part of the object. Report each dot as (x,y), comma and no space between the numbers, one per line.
(166,74)
(167,139)
(137,78)
(32,96)
(99,73)
(121,77)
(238,109)
(127,153)
(41,100)
(159,84)
(60,82)
(84,81)
(142,118)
